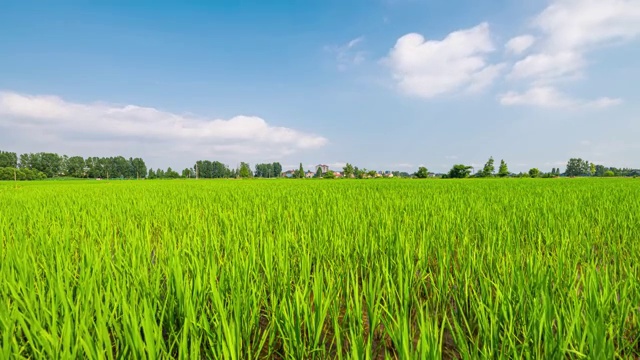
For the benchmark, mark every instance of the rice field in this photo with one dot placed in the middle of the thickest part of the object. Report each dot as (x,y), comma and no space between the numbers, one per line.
(321,269)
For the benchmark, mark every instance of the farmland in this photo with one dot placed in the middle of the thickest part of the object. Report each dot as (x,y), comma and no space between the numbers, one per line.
(517,268)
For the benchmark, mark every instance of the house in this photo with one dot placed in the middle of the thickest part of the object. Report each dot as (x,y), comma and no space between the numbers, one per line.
(324,168)
(309,174)
(338,174)
(288,173)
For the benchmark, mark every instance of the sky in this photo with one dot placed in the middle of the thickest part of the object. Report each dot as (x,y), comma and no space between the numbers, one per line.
(380,84)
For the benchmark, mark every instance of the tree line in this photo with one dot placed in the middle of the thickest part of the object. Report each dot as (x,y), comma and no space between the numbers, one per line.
(49,165)
(35,166)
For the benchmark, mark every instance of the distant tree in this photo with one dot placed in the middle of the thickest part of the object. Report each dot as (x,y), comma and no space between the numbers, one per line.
(318,173)
(277,169)
(372,173)
(459,171)
(534,173)
(300,171)
(503,171)
(348,170)
(592,169)
(577,167)
(171,174)
(329,175)
(609,173)
(8,159)
(488,168)
(152,174)
(75,166)
(422,173)
(245,170)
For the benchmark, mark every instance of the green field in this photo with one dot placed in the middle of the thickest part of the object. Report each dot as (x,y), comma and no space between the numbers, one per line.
(409,269)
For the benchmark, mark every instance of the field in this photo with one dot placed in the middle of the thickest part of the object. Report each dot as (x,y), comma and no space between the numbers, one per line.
(408,269)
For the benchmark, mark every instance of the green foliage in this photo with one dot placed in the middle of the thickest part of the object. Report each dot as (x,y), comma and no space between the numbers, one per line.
(318,173)
(11,173)
(348,170)
(320,269)
(534,172)
(268,170)
(577,167)
(459,171)
(488,168)
(8,159)
(609,173)
(329,175)
(422,173)
(503,171)
(244,171)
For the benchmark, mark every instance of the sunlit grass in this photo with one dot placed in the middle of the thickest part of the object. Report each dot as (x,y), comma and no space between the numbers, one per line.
(539,269)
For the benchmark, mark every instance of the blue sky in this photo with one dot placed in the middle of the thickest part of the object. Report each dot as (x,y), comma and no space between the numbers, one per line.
(382,84)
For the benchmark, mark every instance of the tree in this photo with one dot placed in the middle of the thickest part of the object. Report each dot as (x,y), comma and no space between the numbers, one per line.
(8,159)
(75,166)
(488,169)
(577,167)
(592,169)
(534,173)
(459,171)
(170,174)
(300,172)
(329,175)
(245,170)
(422,173)
(503,171)
(609,173)
(277,169)
(152,174)
(348,170)
(318,173)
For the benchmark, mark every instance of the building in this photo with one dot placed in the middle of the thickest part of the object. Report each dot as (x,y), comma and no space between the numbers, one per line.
(324,168)
(309,174)
(288,173)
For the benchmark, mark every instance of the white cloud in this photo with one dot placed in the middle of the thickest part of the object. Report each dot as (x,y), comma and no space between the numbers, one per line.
(155,130)
(520,44)
(347,55)
(581,25)
(428,68)
(569,30)
(550,97)
(605,102)
(548,67)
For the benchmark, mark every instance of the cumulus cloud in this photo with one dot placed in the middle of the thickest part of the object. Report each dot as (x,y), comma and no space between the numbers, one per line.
(428,68)
(155,130)
(520,44)
(569,31)
(550,97)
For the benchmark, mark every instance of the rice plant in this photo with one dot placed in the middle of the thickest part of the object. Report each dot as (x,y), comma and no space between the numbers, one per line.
(399,269)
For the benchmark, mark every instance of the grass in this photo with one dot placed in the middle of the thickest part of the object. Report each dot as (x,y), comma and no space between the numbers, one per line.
(320,269)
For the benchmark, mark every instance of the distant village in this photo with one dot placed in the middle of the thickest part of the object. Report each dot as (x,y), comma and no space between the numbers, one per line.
(321,170)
